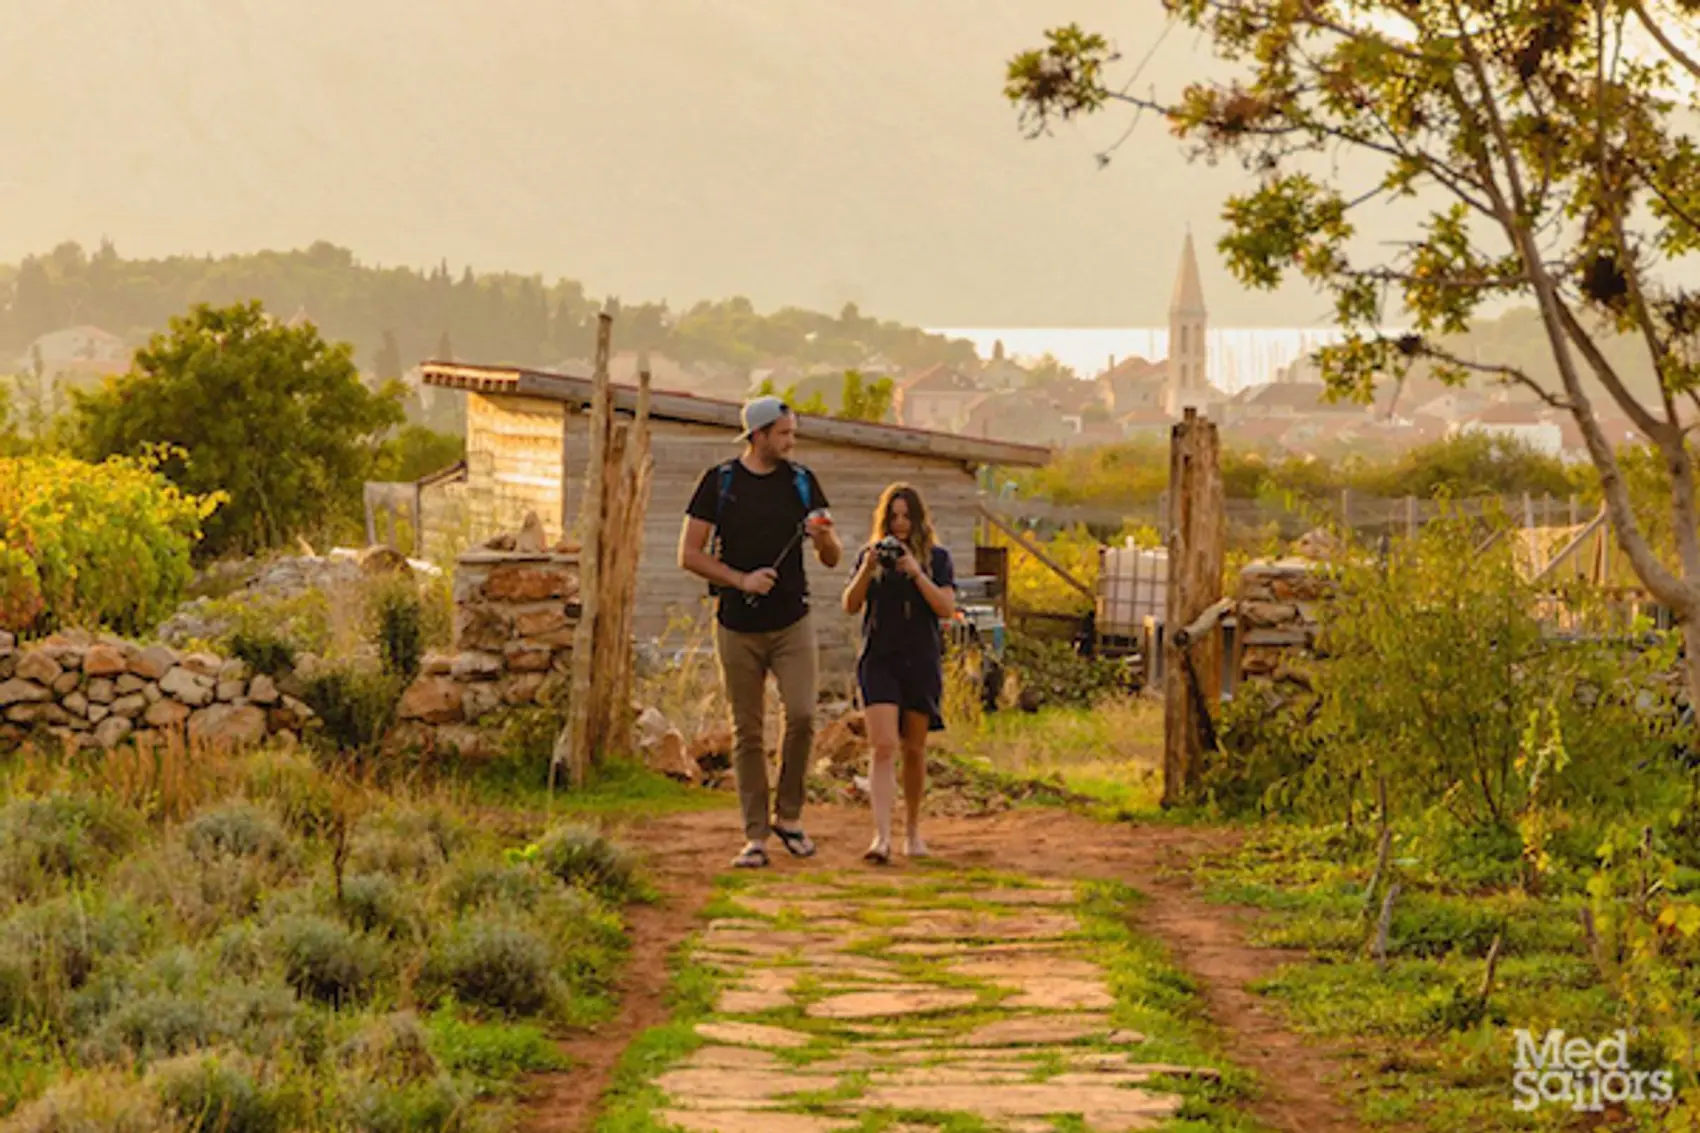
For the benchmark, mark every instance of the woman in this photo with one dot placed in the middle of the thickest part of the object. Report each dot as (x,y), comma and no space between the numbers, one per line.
(901,669)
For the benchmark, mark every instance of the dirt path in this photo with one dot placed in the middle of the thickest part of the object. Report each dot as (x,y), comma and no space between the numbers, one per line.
(1299,1076)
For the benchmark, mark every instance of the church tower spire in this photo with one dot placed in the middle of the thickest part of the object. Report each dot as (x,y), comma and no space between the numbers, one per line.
(1188,321)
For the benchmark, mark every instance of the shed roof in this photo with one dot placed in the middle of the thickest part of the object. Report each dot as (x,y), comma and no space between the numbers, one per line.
(688,408)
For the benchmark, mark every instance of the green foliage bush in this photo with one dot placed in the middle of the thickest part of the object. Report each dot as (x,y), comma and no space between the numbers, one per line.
(236,829)
(60,837)
(355,708)
(398,626)
(375,904)
(581,855)
(263,651)
(1054,673)
(325,960)
(95,545)
(488,963)
(275,384)
(216,1093)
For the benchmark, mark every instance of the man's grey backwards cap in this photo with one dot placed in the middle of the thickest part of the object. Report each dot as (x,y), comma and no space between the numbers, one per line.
(761,413)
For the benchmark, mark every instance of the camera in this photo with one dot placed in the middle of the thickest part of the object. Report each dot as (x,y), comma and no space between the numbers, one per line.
(889,550)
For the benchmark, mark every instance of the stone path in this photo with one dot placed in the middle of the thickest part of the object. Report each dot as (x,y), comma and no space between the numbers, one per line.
(921,998)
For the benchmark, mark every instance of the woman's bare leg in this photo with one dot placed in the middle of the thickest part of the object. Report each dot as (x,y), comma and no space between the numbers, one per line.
(882,776)
(915,726)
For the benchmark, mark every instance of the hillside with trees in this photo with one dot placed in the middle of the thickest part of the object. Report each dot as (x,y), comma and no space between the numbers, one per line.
(398,315)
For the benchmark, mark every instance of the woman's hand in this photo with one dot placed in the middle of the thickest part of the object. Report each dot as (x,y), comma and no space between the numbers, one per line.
(908,566)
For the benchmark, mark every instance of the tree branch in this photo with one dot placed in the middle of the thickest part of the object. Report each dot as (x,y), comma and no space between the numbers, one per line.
(1677,54)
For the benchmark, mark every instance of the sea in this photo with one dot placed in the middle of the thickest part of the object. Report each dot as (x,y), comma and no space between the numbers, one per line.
(1238,357)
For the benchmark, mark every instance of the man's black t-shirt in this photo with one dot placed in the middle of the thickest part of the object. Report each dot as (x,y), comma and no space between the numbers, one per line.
(897,620)
(761,516)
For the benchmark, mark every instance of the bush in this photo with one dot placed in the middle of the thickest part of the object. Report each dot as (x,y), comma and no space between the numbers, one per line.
(324,960)
(492,1050)
(436,1106)
(49,951)
(580,855)
(97,1103)
(264,651)
(60,837)
(1053,672)
(216,1094)
(146,1017)
(375,904)
(237,830)
(502,966)
(475,884)
(398,625)
(93,544)
(355,708)
(405,843)
(393,1049)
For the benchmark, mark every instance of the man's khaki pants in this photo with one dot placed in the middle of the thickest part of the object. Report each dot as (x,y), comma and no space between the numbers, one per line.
(745,661)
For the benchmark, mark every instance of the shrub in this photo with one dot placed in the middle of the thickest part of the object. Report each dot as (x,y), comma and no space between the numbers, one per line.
(393,1049)
(491,1050)
(355,707)
(238,830)
(93,544)
(373,903)
(1053,672)
(398,625)
(473,884)
(60,837)
(503,966)
(143,1017)
(405,843)
(436,1106)
(264,651)
(324,960)
(581,855)
(49,951)
(97,1103)
(216,1094)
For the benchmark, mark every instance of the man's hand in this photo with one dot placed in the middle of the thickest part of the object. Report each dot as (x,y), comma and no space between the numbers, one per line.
(758,582)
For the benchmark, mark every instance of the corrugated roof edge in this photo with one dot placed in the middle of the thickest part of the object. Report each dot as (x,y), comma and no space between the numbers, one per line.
(675,406)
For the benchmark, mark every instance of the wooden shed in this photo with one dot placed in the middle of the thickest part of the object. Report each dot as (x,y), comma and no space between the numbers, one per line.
(524,453)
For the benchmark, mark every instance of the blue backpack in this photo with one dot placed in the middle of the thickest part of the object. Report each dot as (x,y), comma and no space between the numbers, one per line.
(799,478)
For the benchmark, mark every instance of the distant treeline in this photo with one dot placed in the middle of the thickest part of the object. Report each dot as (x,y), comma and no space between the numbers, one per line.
(397,316)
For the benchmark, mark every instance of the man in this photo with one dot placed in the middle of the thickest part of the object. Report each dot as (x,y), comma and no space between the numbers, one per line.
(760,508)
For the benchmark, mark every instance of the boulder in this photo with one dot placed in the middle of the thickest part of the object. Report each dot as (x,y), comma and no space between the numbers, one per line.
(530,539)
(67,682)
(129,683)
(437,664)
(528,658)
(98,712)
(522,688)
(101,691)
(538,620)
(130,706)
(104,661)
(528,582)
(234,669)
(76,704)
(383,560)
(152,663)
(262,690)
(190,687)
(228,725)
(111,731)
(479,700)
(202,664)
(436,700)
(166,714)
(39,666)
(474,666)
(20,691)
(467,743)
(40,712)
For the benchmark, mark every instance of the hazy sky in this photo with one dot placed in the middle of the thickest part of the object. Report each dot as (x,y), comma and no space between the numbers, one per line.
(795,151)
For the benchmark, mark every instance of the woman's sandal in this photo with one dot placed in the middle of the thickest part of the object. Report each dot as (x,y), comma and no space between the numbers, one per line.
(878,855)
(752,857)
(797,842)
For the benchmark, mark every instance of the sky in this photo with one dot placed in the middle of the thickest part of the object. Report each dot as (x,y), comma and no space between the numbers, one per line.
(795,153)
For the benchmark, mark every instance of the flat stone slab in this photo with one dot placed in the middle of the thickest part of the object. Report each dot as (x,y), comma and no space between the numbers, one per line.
(1053,896)
(715,1088)
(760,989)
(891,1003)
(1037,1030)
(732,1058)
(753,1034)
(1063,995)
(1014,969)
(753,1121)
(1111,1109)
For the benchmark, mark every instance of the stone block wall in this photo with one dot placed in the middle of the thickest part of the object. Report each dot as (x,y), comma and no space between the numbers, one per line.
(515,616)
(1277,612)
(98,692)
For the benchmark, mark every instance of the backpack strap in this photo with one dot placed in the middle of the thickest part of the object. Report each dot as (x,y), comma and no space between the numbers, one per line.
(800,477)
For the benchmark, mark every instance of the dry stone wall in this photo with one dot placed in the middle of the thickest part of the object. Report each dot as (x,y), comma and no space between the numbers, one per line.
(516,612)
(1278,612)
(98,692)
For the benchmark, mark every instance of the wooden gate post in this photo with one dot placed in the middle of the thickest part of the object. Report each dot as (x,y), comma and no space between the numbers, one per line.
(1197,539)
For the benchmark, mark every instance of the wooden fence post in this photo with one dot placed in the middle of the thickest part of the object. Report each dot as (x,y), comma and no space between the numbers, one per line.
(1197,539)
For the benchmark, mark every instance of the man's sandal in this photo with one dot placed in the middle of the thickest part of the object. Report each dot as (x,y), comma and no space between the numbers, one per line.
(752,857)
(796,841)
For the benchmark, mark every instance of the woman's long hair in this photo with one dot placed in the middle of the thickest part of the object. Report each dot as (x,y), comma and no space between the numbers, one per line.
(921,539)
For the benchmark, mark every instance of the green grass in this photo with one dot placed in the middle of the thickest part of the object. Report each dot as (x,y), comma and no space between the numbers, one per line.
(1111,755)
(1426,1053)
(615,789)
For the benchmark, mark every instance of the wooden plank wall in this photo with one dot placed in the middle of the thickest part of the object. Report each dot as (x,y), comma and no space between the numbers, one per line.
(513,460)
(514,456)
(852,479)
